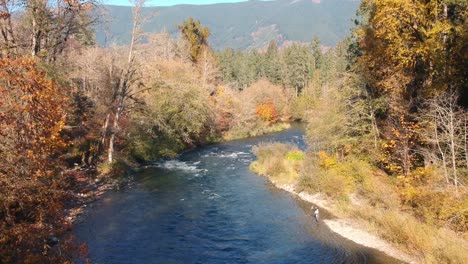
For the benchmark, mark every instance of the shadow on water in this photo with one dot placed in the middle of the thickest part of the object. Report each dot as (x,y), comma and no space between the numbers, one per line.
(207,207)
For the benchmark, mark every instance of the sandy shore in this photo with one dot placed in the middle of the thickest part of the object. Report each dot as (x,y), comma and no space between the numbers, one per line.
(349,228)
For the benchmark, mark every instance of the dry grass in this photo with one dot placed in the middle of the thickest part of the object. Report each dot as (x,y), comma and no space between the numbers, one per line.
(431,244)
(280,162)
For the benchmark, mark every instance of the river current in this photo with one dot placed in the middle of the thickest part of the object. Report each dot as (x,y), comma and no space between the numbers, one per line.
(207,207)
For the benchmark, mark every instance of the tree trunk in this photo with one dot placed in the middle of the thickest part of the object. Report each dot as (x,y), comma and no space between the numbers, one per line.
(465,139)
(442,154)
(375,128)
(7,31)
(205,68)
(34,44)
(453,151)
(115,128)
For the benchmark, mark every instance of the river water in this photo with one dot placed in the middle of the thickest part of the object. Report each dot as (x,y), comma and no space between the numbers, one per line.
(207,207)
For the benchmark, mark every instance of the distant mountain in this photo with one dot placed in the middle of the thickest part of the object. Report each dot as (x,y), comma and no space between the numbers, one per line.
(245,25)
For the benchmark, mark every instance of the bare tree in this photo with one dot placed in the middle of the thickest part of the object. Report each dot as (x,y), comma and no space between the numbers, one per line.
(128,77)
(209,69)
(446,133)
(43,27)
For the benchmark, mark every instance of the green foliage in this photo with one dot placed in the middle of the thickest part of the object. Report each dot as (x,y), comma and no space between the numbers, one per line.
(317,52)
(301,106)
(196,36)
(273,63)
(175,117)
(299,63)
(295,155)
(291,66)
(117,169)
(254,128)
(326,129)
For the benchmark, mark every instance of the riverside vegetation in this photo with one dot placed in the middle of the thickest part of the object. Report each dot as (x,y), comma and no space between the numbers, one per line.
(387,136)
(392,130)
(74,115)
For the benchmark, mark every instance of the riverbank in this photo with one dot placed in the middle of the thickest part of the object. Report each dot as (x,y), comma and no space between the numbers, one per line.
(348,228)
(365,198)
(90,184)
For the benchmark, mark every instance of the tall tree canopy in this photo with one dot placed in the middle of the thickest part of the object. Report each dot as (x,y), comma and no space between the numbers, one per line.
(413,49)
(196,36)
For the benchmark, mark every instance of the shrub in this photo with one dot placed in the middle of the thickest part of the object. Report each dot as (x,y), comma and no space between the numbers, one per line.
(262,91)
(323,173)
(295,155)
(301,106)
(267,111)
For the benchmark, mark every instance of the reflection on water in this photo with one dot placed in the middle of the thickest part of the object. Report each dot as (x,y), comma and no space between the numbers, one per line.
(207,207)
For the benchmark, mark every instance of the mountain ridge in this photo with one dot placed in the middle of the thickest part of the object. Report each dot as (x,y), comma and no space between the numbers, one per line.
(245,25)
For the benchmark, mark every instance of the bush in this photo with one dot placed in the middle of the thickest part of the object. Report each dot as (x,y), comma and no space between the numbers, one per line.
(295,155)
(267,111)
(324,174)
(263,91)
(301,106)
(256,109)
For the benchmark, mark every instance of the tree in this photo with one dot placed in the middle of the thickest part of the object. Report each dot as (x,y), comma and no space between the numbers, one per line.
(46,27)
(124,88)
(409,52)
(267,111)
(273,64)
(208,67)
(196,36)
(446,136)
(298,67)
(317,52)
(8,43)
(400,152)
(31,187)
(410,49)
(175,114)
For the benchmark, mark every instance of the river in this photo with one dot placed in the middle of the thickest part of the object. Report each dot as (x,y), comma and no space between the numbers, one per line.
(207,207)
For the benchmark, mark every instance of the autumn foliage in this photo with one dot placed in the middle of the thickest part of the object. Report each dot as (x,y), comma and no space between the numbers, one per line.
(31,187)
(399,155)
(267,111)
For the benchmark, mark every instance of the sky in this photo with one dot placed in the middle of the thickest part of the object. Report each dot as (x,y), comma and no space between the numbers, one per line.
(172,2)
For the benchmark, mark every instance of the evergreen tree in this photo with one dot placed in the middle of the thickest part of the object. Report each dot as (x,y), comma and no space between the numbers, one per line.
(298,67)
(196,37)
(272,63)
(317,52)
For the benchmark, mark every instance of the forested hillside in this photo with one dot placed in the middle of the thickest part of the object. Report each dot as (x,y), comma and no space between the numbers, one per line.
(244,25)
